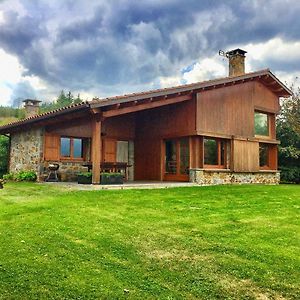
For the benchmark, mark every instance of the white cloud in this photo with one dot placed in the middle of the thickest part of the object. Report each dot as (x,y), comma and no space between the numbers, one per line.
(205,69)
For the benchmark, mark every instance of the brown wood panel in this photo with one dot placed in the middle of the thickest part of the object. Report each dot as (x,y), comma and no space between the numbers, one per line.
(168,121)
(73,128)
(51,146)
(264,99)
(245,156)
(227,111)
(147,159)
(122,127)
(109,150)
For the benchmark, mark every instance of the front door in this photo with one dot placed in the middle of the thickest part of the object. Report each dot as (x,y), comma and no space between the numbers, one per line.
(177,157)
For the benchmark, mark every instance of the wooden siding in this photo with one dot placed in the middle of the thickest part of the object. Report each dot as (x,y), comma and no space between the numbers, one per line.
(226,111)
(152,127)
(264,99)
(230,110)
(122,127)
(75,128)
(245,156)
(148,159)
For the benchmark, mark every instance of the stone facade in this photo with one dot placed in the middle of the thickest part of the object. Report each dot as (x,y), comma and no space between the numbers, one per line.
(214,177)
(27,151)
(67,171)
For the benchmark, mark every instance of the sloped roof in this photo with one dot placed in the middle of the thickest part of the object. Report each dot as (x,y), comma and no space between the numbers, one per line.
(265,76)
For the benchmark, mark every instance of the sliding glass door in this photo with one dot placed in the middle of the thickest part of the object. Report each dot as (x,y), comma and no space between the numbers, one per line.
(177,159)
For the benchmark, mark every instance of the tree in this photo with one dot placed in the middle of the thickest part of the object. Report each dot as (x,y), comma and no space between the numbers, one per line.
(288,132)
(4,145)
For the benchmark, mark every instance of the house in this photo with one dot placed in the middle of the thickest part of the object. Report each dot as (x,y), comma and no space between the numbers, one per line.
(217,131)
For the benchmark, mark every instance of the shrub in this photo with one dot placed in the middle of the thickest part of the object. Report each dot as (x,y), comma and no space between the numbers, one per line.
(85,174)
(290,174)
(21,176)
(9,177)
(26,176)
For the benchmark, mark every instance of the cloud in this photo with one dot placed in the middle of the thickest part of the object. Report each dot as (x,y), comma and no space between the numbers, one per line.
(107,48)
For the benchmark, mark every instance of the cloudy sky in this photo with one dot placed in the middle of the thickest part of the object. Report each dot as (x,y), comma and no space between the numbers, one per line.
(101,48)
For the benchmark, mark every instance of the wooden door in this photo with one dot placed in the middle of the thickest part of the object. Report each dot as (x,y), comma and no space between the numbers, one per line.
(177,158)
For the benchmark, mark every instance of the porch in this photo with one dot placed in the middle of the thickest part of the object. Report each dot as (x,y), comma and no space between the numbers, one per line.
(126,186)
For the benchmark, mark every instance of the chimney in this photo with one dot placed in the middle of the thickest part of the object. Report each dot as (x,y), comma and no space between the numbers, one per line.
(31,107)
(236,62)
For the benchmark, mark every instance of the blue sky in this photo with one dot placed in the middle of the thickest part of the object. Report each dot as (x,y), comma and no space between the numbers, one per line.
(102,48)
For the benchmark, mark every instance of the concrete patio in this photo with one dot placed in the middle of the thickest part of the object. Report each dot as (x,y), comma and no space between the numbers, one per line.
(125,186)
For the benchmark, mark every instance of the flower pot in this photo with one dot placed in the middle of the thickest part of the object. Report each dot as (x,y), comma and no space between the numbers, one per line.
(112,178)
(84,179)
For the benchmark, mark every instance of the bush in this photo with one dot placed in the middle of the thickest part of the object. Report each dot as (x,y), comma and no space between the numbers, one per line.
(21,176)
(9,177)
(85,174)
(290,174)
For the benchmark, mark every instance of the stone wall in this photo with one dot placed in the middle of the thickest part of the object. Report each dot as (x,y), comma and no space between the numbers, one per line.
(27,151)
(214,177)
(67,171)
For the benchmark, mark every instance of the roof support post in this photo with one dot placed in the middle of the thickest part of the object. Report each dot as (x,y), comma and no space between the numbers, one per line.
(96,148)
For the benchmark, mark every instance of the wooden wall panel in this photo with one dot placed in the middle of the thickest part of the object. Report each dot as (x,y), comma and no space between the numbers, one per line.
(168,121)
(109,150)
(264,99)
(73,128)
(227,111)
(122,127)
(147,159)
(51,147)
(245,156)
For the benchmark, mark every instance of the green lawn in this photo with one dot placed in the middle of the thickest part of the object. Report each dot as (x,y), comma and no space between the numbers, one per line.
(221,242)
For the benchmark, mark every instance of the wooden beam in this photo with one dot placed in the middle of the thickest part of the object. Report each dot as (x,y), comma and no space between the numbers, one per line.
(96,149)
(139,107)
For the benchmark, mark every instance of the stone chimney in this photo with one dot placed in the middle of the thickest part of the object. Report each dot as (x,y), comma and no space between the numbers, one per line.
(31,107)
(236,62)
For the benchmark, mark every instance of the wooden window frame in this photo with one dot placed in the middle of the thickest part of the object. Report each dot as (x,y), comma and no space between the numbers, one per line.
(71,157)
(175,176)
(271,159)
(271,124)
(219,149)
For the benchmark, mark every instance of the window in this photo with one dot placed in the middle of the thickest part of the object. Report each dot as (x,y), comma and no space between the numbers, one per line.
(261,124)
(263,156)
(71,148)
(267,156)
(215,153)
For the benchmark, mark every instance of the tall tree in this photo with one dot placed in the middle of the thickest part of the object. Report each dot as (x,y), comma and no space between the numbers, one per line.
(288,132)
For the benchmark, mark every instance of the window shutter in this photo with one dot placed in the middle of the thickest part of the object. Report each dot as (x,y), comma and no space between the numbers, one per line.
(51,149)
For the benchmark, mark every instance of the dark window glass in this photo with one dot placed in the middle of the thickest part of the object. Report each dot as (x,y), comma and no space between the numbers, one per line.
(65,147)
(171,157)
(261,124)
(263,155)
(184,156)
(210,152)
(77,148)
(223,145)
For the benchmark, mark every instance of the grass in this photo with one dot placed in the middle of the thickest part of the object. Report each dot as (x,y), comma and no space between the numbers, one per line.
(221,242)
(6,120)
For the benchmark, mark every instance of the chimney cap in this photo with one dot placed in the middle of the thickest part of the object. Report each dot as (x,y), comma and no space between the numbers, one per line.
(31,101)
(236,51)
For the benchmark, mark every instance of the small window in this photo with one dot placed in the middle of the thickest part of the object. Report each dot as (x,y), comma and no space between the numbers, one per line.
(65,147)
(261,123)
(215,153)
(71,148)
